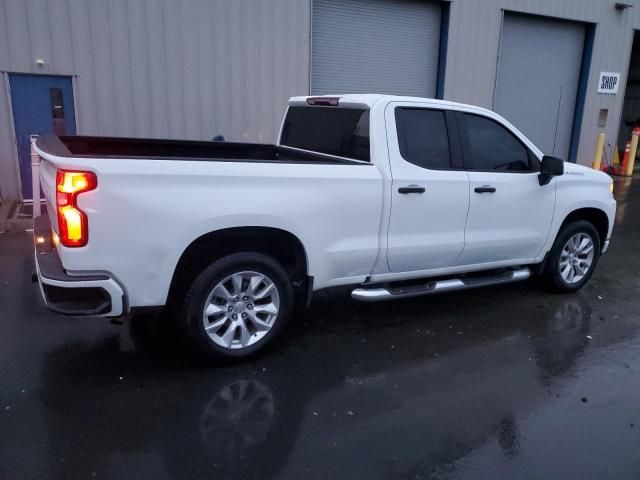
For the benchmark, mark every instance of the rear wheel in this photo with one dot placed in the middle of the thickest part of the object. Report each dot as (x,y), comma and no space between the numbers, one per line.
(574,257)
(237,306)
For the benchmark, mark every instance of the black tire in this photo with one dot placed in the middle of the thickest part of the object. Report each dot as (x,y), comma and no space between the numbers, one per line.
(552,275)
(191,314)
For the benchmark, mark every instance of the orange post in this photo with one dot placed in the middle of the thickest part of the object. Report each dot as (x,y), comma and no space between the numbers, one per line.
(625,159)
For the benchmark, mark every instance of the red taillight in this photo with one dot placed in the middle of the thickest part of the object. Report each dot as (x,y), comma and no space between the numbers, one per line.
(72,222)
(324,101)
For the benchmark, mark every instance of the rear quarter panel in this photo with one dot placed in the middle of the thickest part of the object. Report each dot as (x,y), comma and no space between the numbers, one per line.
(48,185)
(145,213)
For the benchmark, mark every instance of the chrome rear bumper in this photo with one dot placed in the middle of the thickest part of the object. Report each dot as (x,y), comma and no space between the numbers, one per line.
(76,295)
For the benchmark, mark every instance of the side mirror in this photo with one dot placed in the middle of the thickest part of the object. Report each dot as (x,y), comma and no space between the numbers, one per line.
(550,167)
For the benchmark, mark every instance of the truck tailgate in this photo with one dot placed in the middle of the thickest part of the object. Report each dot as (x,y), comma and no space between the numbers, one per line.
(48,184)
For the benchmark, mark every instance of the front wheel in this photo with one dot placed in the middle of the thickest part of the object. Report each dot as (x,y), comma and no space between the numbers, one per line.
(237,306)
(573,258)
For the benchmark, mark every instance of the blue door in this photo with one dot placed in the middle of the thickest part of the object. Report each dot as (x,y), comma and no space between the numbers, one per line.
(41,104)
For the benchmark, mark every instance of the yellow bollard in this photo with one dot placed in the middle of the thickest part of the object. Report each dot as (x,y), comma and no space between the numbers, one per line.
(597,161)
(632,154)
(616,157)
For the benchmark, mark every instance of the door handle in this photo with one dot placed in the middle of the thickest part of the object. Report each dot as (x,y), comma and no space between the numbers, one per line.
(485,189)
(411,189)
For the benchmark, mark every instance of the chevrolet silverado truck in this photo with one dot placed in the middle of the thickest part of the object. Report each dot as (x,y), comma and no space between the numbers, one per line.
(393,196)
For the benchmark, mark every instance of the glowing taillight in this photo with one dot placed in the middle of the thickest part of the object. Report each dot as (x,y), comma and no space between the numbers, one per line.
(72,222)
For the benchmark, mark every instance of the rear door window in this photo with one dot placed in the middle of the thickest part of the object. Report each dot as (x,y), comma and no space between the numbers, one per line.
(423,137)
(335,131)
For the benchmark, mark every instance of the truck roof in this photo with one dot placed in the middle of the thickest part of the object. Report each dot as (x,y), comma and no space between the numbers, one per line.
(370,99)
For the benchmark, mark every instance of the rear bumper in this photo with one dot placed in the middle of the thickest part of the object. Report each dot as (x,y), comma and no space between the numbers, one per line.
(77,295)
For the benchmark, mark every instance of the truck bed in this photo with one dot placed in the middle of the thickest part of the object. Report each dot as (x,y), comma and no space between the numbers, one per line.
(188,150)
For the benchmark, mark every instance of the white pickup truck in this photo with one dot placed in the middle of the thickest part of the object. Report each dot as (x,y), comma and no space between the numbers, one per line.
(394,196)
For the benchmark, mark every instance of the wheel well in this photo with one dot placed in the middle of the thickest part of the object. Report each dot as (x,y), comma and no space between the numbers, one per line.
(594,216)
(283,246)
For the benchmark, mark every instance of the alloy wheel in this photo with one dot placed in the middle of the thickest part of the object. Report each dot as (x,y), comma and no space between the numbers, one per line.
(576,258)
(241,309)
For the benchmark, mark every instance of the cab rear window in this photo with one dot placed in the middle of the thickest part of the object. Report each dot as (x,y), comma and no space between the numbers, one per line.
(335,131)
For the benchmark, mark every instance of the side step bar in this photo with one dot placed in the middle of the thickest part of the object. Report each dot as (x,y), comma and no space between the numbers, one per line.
(378,294)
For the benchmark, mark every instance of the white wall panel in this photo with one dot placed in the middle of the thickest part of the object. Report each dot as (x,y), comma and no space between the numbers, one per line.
(59,24)
(18,42)
(83,60)
(194,68)
(140,52)
(161,68)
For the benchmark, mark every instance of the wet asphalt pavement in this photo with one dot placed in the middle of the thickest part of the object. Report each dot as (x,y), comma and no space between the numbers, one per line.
(506,382)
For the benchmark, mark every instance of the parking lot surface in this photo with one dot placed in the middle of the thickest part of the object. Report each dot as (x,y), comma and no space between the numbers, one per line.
(506,382)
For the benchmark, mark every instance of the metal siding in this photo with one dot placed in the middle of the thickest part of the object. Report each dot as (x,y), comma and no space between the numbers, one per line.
(4,36)
(205,91)
(375,46)
(279,46)
(251,64)
(161,68)
(158,123)
(233,62)
(122,101)
(19,42)
(473,52)
(172,46)
(39,36)
(139,54)
(59,20)
(83,67)
(538,76)
(190,62)
(8,160)
(268,32)
(104,99)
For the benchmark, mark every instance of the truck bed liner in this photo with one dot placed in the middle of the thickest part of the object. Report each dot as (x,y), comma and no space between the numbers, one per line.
(188,150)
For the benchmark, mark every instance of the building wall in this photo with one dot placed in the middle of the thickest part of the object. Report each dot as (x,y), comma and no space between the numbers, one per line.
(474,38)
(631,109)
(160,68)
(196,68)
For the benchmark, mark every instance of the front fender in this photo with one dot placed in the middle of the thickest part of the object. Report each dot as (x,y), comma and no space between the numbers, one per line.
(572,194)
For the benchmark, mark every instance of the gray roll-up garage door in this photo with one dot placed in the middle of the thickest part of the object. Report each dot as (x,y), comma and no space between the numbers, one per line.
(538,77)
(375,46)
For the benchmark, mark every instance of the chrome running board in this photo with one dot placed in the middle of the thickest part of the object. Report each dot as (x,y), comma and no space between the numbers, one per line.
(378,294)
